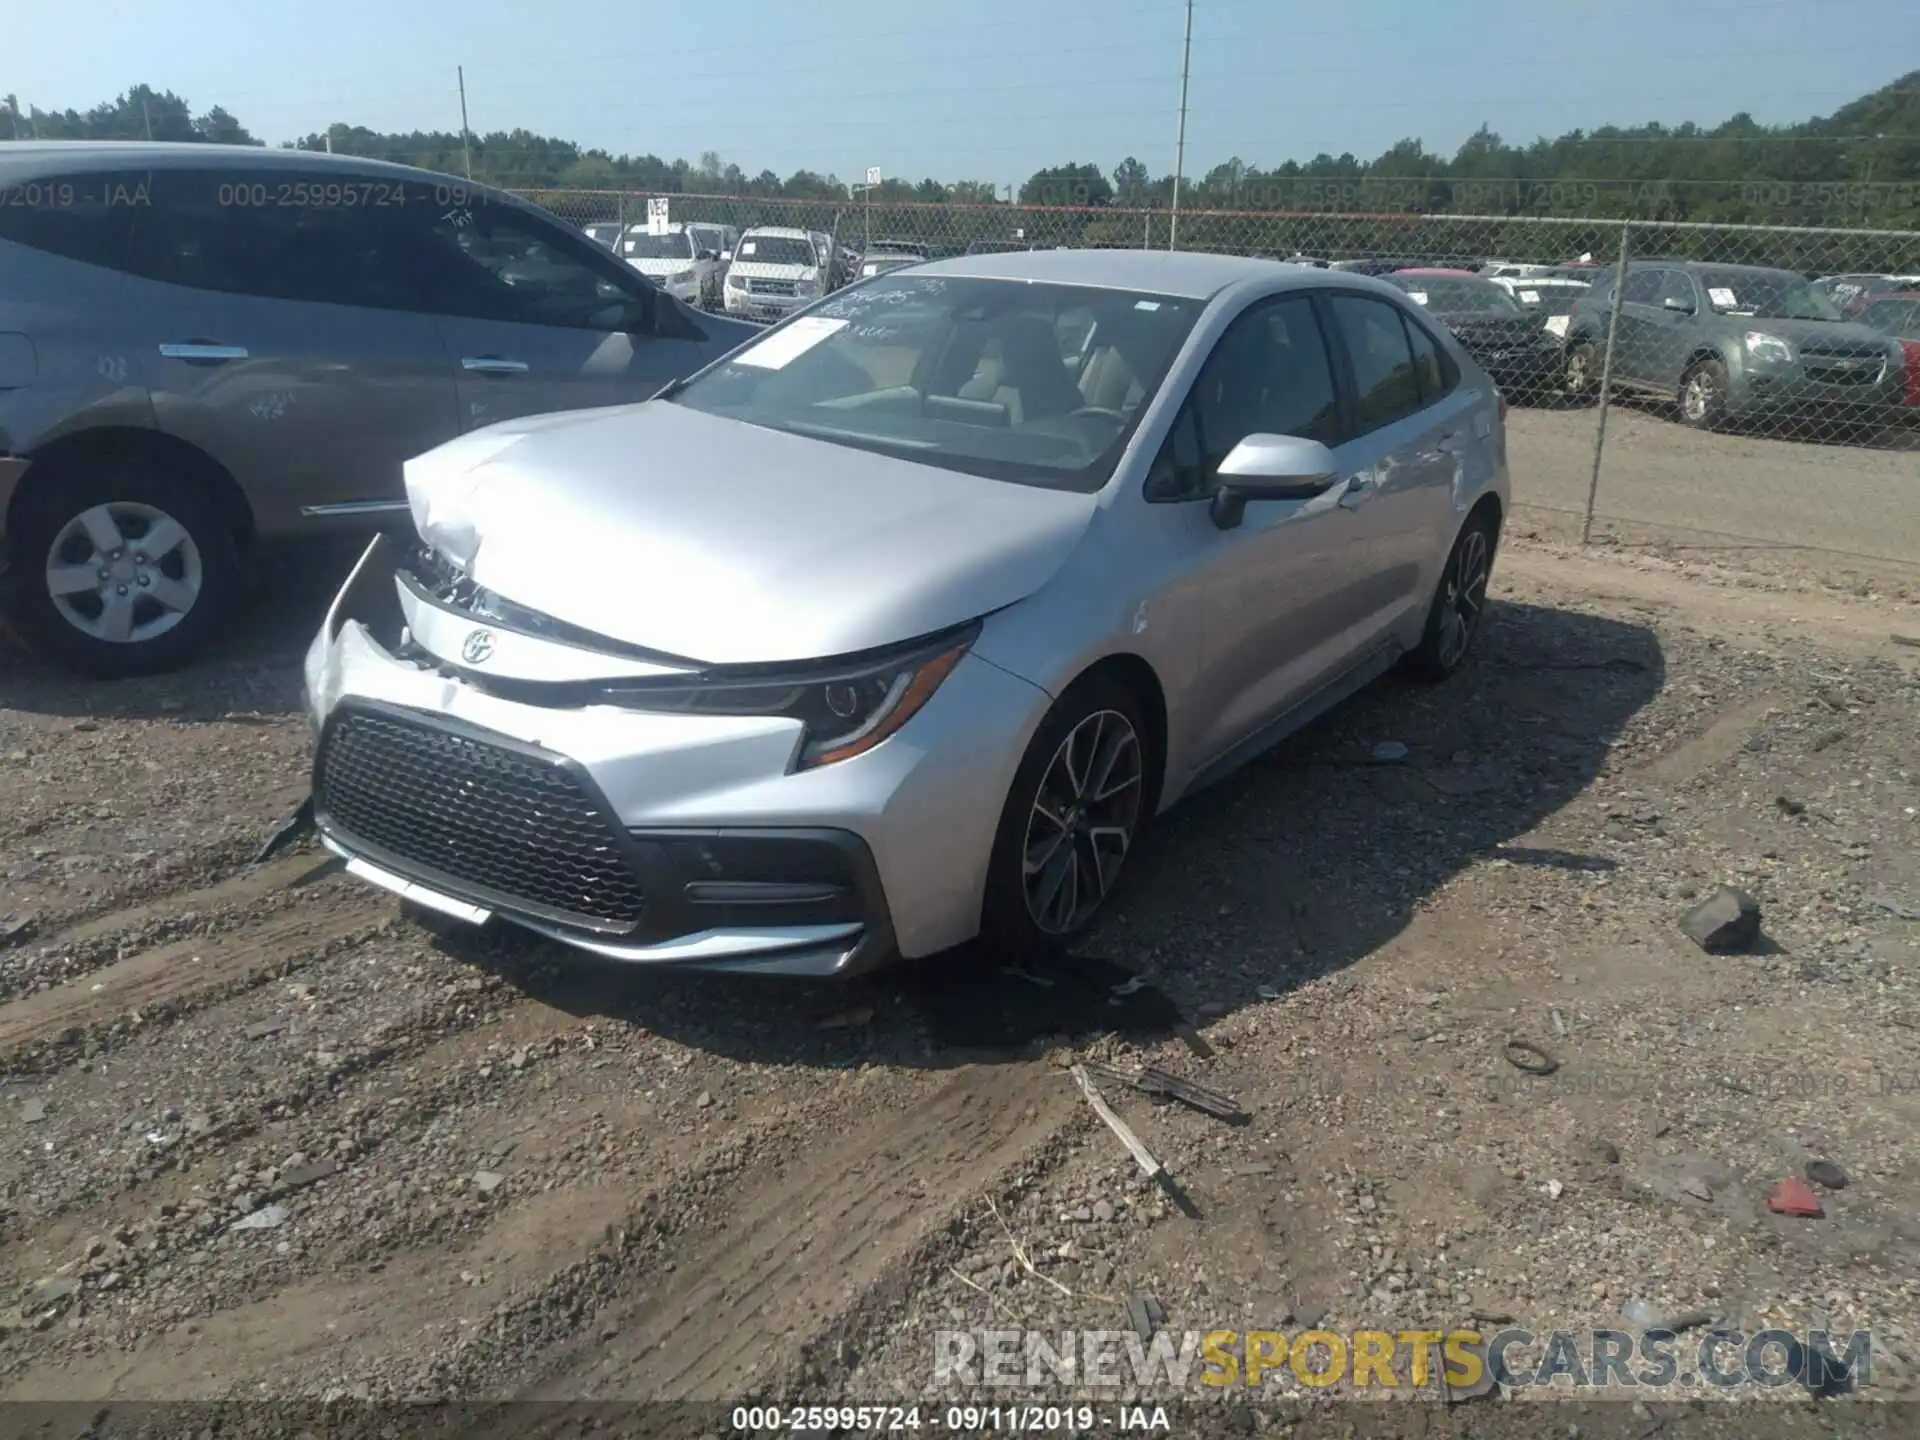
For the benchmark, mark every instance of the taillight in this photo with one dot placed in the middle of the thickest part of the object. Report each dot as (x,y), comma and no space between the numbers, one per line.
(1910,349)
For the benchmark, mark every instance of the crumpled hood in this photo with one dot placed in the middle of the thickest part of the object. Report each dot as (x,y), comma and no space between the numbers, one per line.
(725,543)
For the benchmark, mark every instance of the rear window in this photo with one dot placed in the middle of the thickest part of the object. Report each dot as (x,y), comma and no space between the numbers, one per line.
(86,217)
(1457,294)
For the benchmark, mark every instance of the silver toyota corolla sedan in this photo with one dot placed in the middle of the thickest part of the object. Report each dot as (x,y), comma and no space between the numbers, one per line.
(893,628)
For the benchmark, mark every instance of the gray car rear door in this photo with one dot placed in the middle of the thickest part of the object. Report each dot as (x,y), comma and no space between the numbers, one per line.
(1413,423)
(284,338)
(538,319)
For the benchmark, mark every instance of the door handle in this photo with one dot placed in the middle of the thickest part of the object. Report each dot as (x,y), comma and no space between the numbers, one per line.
(203,351)
(1451,443)
(493,365)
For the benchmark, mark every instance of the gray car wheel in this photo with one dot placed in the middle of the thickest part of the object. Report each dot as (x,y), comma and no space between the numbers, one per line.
(1703,395)
(127,567)
(1072,816)
(1459,602)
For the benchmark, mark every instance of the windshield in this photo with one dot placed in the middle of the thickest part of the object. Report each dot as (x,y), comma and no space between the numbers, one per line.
(606,232)
(777,250)
(1766,295)
(1458,294)
(1030,383)
(642,246)
(1894,317)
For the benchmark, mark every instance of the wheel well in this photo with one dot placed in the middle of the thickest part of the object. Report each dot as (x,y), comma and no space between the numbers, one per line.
(1143,684)
(1703,353)
(1489,506)
(93,447)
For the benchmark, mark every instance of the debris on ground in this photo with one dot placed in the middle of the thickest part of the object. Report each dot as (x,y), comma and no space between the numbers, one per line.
(1792,1197)
(1151,1080)
(1827,1174)
(267,1217)
(1527,1056)
(488,1181)
(1145,1316)
(1727,922)
(1142,1156)
(1389,752)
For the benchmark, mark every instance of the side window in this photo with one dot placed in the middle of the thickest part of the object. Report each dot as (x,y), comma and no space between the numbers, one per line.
(325,237)
(1431,367)
(86,217)
(1676,285)
(1270,374)
(495,263)
(1385,387)
(1642,287)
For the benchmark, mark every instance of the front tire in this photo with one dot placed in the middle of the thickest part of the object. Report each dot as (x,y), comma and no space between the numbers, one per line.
(1073,813)
(1459,603)
(1580,380)
(1703,396)
(127,567)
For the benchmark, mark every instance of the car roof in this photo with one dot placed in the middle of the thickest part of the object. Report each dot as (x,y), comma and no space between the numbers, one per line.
(1190,274)
(781,232)
(24,158)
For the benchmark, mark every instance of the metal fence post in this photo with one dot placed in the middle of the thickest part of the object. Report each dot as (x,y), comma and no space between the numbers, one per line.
(1606,380)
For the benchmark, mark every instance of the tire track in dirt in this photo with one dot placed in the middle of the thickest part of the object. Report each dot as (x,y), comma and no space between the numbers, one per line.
(179,976)
(802,1242)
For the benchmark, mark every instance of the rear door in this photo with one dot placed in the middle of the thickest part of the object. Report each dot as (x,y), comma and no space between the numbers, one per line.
(1413,422)
(538,319)
(1636,345)
(284,338)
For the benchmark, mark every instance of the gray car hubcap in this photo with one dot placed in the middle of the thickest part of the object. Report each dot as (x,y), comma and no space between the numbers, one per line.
(1464,597)
(1082,822)
(1698,397)
(123,572)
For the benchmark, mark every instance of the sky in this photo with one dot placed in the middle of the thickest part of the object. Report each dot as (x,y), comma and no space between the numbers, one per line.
(985,90)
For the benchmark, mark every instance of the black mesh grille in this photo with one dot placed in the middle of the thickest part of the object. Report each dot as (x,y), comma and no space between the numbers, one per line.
(496,823)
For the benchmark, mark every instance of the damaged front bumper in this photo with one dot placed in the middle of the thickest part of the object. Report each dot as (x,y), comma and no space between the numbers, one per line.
(641,836)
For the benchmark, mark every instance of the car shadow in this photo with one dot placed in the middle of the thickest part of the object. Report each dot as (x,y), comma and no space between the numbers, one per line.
(1299,865)
(250,673)
(1899,435)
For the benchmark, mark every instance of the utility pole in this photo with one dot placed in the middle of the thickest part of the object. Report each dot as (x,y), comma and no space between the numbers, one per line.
(146,114)
(466,148)
(1180,142)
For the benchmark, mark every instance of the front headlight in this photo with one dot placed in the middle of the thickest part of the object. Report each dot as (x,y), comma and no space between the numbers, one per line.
(806,287)
(844,710)
(1770,348)
(736,282)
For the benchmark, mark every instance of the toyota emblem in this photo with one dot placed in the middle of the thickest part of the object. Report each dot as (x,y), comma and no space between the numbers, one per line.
(477,648)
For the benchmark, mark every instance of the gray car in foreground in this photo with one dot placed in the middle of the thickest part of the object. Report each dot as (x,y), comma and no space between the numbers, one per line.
(205,346)
(894,628)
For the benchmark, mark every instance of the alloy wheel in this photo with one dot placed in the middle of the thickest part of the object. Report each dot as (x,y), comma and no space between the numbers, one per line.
(124,572)
(1696,399)
(1464,598)
(1082,822)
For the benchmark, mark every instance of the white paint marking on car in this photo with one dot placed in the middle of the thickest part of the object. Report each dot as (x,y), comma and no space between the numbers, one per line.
(782,348)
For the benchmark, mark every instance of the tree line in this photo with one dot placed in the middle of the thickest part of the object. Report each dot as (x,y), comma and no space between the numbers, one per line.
(1858,166)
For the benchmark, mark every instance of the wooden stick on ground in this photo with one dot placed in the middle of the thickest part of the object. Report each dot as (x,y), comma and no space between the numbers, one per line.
(1142,1156)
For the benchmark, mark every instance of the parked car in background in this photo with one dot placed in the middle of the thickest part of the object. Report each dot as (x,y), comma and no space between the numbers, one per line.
(1550,297)
(885,262)
(203,347)
(1512,270)
(679,262)
(923,590)
(605,232)
(718,238)
(1377,265)
(1512,344)
(1850,292)
(775,271)
(1730,343)
(1898,316)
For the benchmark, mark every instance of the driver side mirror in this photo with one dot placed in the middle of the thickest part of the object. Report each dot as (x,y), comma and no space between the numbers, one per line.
(709,254)
(1270,467)
(1678,305)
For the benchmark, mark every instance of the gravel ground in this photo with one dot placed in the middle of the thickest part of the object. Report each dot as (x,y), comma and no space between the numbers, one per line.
(271,1139)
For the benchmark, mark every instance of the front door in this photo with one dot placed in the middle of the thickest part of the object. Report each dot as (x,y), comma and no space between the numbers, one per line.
(282,337)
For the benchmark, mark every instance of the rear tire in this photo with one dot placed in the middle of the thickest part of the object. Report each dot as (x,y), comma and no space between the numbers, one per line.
(1073,814)
(126,566)
(1459,603)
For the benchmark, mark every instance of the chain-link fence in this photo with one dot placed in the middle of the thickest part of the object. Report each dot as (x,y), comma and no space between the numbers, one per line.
(1735,387)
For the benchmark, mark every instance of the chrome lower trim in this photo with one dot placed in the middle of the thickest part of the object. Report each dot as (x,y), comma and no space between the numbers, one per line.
(354,507)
